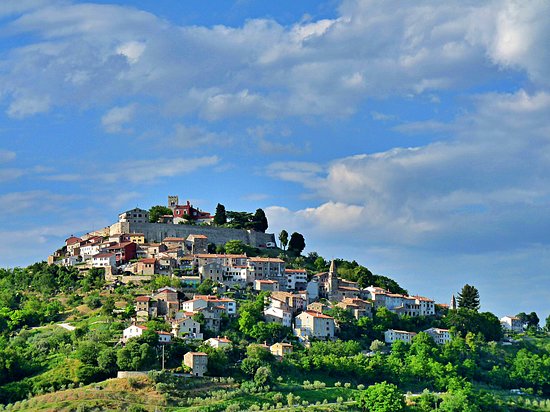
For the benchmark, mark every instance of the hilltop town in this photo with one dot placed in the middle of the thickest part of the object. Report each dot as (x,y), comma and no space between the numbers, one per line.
(206,311)
(135,250)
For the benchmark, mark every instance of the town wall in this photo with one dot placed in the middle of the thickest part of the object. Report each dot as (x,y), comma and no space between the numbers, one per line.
(156,232)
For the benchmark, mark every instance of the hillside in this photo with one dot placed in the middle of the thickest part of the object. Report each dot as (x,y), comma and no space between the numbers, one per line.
(60,331)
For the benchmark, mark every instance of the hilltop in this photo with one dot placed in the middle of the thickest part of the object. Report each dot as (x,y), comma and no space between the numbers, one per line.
(242,327)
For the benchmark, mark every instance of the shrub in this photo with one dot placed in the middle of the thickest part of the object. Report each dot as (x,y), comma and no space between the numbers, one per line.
(360,386)
(234,407)
(338,384)
(347,385)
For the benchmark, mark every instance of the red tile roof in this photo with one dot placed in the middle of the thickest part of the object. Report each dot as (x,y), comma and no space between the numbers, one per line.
(318,315)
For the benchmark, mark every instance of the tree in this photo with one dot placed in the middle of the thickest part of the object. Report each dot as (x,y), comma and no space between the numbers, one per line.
(235,247)
(283,238)
(206,287)
(381,397)
(259,221)
(468,298)
(377,345)
(220,218)
(547,326)
(533,320)
(156,212)
(239,220)
(296,244)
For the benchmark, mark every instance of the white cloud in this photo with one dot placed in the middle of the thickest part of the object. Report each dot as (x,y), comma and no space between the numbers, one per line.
(24,106)
(148,171)
(196,136)
(326,67)
(487,189)
(6,156)
(115,119)
(37,200)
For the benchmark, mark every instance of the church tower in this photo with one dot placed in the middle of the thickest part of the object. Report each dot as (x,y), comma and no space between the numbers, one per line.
(452,306)
(332,281)
(172,201)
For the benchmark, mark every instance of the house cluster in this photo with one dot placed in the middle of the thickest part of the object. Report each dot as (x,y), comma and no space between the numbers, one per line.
(130,252)
(440,336)
(303,309)
(293,301)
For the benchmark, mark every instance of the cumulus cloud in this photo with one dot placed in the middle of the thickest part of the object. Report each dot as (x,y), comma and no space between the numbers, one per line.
(325,67)
(148,171)
(115,119)
(486,189)
(196,136)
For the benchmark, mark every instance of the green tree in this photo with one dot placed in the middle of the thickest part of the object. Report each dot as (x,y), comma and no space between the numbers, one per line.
(156,212)
(377,345)
(381,397)
(239,220)
(283,238)
(262,375)
(468,298)
(235,247)
(206,287)
(220,218)
(547,326)
(296,244)
(259,221)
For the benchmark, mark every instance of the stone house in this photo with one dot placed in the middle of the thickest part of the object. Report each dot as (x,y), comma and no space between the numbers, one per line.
(314,325)
(197,361)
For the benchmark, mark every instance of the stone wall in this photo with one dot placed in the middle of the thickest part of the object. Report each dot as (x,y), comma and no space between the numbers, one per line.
(130,374)
(156,232)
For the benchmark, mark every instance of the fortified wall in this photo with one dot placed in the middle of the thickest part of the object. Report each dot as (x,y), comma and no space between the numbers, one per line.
(156,232)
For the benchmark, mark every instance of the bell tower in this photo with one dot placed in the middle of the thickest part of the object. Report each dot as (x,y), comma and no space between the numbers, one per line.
(172,201)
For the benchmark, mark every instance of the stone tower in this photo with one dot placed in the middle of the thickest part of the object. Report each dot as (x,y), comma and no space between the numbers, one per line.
(332,281)
(173,201)
(453,303)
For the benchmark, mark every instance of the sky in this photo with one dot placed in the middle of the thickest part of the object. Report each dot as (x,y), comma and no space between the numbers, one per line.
(413,137)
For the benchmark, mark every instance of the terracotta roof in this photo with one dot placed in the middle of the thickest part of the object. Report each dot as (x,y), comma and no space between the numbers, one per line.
(218,256)
(295,271)
(266,281)
(198,236)
(317,314)
(161,332)
(173,239)
(143,299)
(72,240)
(148,260)
(422,298)
(133,234)
(224,339)
(103,255)
(262,259)
(348,288)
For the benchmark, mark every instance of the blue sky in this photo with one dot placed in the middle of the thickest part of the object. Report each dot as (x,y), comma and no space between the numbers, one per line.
(414,138)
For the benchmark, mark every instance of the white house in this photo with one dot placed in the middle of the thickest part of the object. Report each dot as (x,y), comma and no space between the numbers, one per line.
(279,315)
(512,324)
(186,327)
(218,342)
(135,331)
(393,335)
(102,260)
(440,336)
(296,279)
